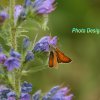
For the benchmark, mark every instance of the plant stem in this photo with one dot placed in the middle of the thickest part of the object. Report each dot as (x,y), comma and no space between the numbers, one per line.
(11,11)
(17,86)
(14,38)
(13,34)
(12,25)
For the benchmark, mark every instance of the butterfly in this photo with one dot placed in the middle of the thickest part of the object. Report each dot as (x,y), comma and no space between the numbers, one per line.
(57,56)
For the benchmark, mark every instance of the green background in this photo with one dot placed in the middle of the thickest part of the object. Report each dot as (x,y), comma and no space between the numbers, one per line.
(82,75)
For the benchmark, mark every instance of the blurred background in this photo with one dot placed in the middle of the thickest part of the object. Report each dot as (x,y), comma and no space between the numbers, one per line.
(82,75)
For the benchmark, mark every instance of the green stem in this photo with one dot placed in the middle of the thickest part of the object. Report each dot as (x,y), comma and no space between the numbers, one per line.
(17,86)
(11,11)
(45,22)
(16,76)
(12,24)
(14,38)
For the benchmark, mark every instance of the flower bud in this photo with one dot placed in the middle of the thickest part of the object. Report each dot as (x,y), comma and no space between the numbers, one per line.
(14,54)
(3,17)
(26,43)
(29,56)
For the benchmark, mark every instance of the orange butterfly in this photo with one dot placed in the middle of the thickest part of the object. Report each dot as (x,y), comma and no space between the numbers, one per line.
(56,56)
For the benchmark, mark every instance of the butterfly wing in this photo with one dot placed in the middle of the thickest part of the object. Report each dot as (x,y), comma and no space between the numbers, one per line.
(52,59)
(61,57)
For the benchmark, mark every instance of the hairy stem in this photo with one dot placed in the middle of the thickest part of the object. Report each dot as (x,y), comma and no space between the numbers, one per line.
(13,37)
(11,11)
(12,25)
(17,86)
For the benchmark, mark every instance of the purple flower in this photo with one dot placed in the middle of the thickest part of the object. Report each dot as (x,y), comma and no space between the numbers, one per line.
(36,96)
(44,6)
(62,94)
(51,92)
(25,96)
(53,41)
(18,10)
(44,39)
(14,54)
(26,43)
(11,96)
(42,47)
(29,56)
(12,63)
(2,58)
(3,92)
(58,94)
(44,43)
(27,3)
(26,87)
(3,16)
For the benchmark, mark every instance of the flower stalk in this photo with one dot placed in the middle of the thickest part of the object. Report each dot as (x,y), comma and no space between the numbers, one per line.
(17,83)
(11,11)
(16,76)
(13,38)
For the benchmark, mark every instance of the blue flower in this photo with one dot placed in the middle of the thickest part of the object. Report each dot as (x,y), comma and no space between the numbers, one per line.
(51,93)
(11,96)
(44,6)
(3,16)
(44,39)
(36,95)
(26,43)
(26,87)
(6,93)
(12,63)
(53,41)
(44,43)
(2,58)
(62,94)
(25,96)
(27,3)
(42,47)
(58,94)
(3,92)
(14,54)
(18,10)
(29,56)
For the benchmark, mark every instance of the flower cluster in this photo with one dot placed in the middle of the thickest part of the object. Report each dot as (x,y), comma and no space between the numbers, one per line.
(8,94)
(43,6)
(15,22)
(56,93)
(38,7)
(10,62)
(44,43)
(14,61)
